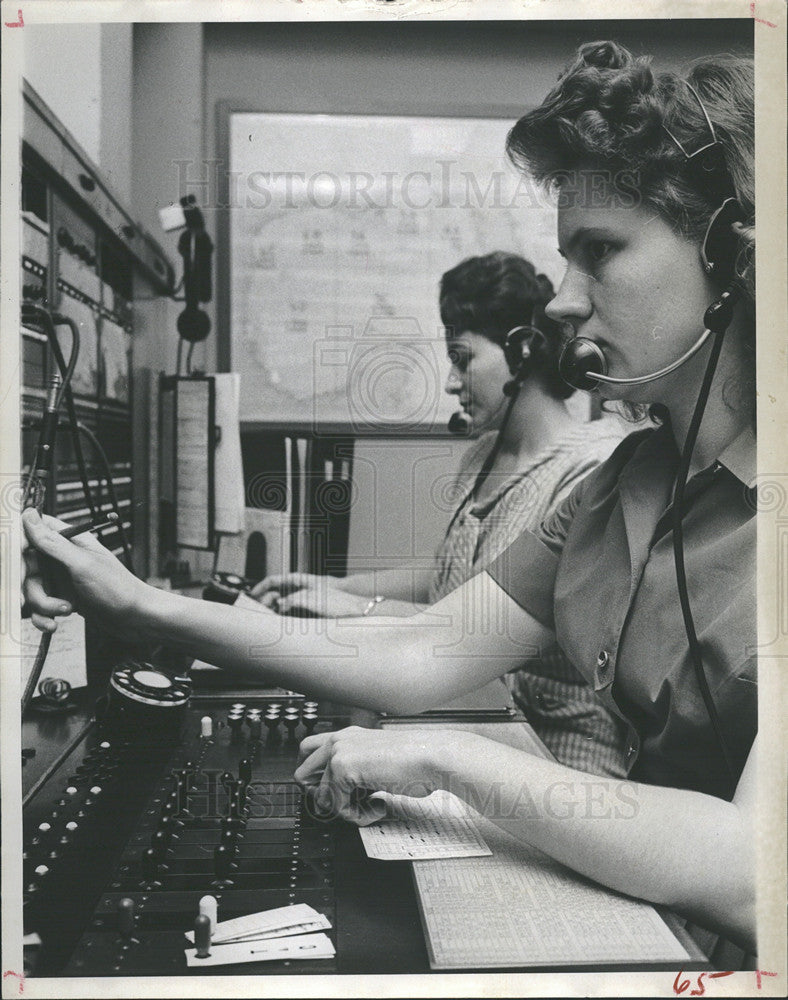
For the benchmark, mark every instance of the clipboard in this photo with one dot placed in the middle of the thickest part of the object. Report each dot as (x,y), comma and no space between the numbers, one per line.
(187,410)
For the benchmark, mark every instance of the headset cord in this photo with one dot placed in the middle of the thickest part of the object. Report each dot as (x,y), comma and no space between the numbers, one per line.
(718,317)
(489,461)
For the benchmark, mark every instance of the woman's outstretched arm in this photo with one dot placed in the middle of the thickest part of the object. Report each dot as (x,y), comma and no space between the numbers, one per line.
(400,665)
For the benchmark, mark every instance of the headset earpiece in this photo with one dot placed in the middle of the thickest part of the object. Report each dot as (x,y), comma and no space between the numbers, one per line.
(517,351)
(720,246)
(517,348)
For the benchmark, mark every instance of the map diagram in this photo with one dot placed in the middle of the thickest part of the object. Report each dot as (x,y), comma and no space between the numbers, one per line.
(341,227)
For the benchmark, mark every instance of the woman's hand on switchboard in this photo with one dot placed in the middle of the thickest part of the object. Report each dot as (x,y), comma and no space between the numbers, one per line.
(96,583)
(321,602)
(340,770)
(272,588)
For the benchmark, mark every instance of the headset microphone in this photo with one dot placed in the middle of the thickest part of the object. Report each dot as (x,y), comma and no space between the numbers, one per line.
(583,365)
(460,423)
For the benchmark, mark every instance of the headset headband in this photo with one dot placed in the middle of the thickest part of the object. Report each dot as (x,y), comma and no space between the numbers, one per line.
(709,172)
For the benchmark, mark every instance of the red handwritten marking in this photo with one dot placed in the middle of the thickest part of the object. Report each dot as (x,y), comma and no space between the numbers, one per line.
(20,24)
(19,976)
(682,985)
(769,24)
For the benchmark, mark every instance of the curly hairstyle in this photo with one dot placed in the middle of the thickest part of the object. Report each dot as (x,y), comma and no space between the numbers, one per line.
(491,295)
(609,112)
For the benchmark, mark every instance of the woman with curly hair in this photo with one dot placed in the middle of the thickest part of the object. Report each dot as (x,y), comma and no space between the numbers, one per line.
(654,179)
(530,454)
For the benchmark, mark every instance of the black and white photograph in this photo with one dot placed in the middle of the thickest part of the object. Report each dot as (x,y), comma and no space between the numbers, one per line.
(393,498)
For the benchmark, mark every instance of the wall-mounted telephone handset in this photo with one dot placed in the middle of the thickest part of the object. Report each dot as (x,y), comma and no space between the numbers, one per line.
(196,249)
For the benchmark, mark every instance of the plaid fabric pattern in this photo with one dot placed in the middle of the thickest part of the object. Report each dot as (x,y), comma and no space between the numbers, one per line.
(563,710)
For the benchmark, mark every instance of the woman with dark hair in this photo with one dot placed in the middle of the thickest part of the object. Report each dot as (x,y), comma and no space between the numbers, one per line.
(645,574)
(531,452)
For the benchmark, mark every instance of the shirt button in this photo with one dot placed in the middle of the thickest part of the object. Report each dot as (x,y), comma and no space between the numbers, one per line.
(603,661)
(631,750)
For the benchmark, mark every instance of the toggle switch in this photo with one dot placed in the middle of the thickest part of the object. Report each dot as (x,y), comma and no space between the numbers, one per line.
(228,837)
(127,916)
(272,725)
(40,872)
(236,805)
(70,829)
(202,935)
(209,907)
(93,794)
(223,863)
(234,823)
(167,826)
(159,842)
(245,771)
(44,835)
(291,723)
(310,721)
(151,865)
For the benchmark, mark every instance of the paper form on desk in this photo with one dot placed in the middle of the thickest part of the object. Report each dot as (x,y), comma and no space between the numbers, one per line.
(437,826)
(520,908)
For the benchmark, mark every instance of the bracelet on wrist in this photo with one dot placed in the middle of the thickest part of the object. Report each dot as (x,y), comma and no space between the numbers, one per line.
(373,603)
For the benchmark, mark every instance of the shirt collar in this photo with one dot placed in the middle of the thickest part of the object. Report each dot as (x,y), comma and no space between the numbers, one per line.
(740,457)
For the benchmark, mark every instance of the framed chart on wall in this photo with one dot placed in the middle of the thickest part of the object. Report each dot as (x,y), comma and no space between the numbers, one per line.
(338,231)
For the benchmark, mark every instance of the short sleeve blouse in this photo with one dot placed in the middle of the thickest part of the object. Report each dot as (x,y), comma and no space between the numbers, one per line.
(600,571)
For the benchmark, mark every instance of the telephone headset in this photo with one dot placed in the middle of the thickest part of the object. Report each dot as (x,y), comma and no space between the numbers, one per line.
(583,364)
(517,351)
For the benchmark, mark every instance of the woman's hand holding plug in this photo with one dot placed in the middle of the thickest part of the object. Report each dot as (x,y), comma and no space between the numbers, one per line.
(97,583)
